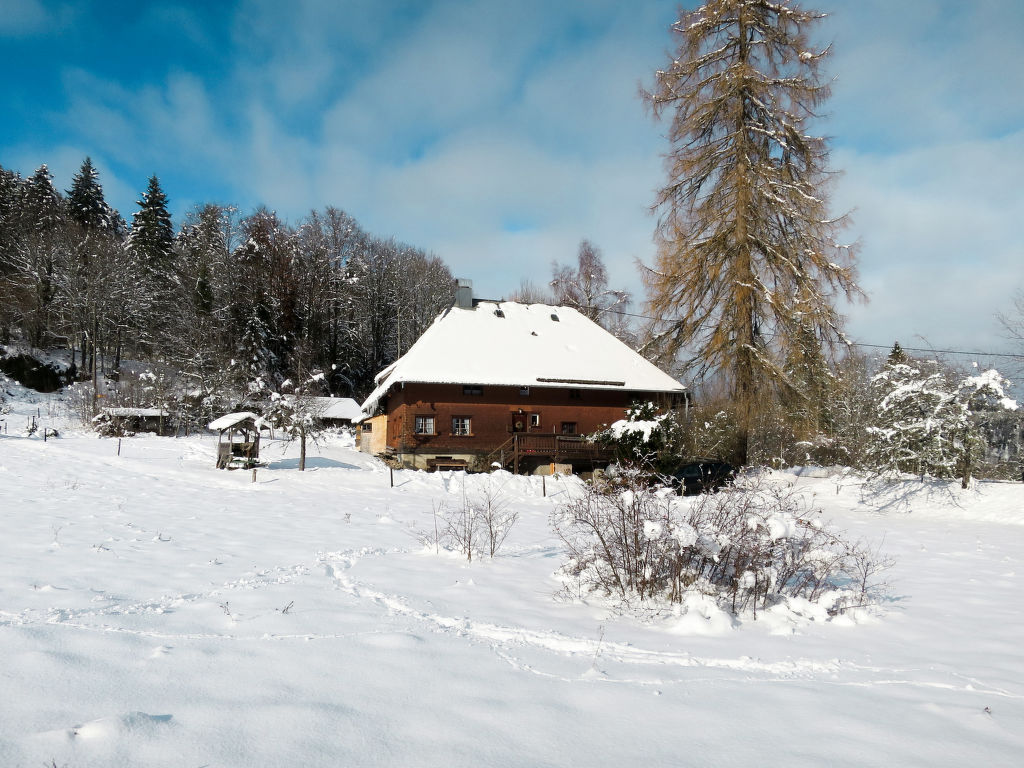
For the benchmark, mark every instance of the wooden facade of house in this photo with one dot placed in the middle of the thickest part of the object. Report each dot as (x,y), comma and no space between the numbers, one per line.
(513,384)
(468,425)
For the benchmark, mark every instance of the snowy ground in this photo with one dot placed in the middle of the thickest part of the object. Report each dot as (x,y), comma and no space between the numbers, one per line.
(155,611)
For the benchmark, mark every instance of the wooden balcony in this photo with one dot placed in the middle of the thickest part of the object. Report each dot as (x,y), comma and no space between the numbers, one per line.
(568,449)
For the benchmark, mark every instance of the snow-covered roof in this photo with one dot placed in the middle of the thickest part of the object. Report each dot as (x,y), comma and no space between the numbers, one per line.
(525,345)
(137,412)
(340,408)
(334,407)
(231,419)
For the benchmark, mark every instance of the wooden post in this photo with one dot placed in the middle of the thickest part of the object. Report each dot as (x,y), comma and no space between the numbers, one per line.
(515,454)
(119,446)
(391,470)
(253,475)
(544,485)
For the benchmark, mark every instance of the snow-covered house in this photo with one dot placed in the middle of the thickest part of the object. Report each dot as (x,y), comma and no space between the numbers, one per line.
(508,382)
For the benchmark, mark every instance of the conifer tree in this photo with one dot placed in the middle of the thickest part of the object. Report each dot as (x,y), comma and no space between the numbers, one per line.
(96,277)
(85,202)
(152,234)
(42,242)
(747,256)
(151,242)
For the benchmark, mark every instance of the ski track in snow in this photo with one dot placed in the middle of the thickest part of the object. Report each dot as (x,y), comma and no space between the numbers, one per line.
(503,640)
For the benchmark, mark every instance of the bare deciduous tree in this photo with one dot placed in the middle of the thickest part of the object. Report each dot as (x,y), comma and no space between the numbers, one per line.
(585,287)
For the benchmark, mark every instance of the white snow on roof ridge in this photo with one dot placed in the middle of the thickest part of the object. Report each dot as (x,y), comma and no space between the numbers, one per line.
(140,412)
(525,345)
(334,407)
(229,420)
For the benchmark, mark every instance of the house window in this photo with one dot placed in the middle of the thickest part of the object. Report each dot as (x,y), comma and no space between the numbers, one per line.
(534,419)
(524,391)
(472,389)
(575,394)
(367,427)
(462,425)
(568,427)
(424,425)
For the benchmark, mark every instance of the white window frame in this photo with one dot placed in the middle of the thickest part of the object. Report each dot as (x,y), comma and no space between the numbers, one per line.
(421,423)
(462,426)
(534,419)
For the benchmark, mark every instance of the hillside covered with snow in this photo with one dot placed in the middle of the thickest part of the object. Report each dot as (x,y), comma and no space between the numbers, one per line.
(156,611)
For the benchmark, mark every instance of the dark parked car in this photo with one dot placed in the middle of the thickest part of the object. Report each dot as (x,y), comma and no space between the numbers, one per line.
(702,477)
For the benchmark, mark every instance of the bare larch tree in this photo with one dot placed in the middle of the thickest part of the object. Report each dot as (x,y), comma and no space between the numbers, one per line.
(748,263)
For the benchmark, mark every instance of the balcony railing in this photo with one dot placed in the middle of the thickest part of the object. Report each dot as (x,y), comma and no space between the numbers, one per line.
(556,447)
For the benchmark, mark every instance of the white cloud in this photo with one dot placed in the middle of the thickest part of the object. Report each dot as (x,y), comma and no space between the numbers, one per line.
(20,18)
(498,135)
(942,247)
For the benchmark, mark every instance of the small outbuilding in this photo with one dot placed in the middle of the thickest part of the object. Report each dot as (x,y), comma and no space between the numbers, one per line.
(121,421)
(238,444)
(333,411)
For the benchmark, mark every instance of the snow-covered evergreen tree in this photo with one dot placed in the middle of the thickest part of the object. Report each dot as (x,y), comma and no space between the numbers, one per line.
(86,204)
(42,240)
(925,419)
(151,240)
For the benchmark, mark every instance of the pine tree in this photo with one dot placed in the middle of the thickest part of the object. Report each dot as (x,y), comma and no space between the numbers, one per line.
(10,197)
(42,244)
(85,202)
(152,234)
(151,242)
(97,276)
(747,254)
(896,354)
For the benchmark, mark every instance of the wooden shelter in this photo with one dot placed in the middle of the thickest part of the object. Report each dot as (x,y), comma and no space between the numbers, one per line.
(238,443)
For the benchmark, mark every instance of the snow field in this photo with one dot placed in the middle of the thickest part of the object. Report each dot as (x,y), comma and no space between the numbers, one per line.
(156,611)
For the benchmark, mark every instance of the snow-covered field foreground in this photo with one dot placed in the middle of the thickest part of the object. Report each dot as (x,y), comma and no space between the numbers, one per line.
(155,611)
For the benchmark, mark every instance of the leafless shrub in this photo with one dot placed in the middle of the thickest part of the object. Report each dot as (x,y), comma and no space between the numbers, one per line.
(750,547)
(478,524)
(495,514)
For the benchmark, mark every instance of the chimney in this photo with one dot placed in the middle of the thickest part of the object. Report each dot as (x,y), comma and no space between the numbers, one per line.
(464,293)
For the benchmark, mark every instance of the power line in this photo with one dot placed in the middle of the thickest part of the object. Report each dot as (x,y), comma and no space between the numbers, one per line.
(941,351)
(855,343)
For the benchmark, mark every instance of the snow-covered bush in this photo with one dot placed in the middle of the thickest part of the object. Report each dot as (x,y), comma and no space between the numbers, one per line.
(646,438)
(749,548)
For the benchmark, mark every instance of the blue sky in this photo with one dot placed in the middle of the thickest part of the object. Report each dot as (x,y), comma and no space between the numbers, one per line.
(498,135)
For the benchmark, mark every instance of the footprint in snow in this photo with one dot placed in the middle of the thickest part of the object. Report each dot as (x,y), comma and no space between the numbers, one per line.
(120,725)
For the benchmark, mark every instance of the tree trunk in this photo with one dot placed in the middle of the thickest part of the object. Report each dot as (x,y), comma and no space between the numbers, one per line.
(966,479)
